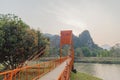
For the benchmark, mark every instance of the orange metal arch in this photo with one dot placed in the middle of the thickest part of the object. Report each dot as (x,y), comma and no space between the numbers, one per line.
(66,37)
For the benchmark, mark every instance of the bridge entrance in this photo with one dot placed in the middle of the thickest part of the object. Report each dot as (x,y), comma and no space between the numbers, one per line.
(60,68)
(66,39)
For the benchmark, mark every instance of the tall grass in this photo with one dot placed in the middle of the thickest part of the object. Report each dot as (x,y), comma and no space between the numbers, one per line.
(82,76)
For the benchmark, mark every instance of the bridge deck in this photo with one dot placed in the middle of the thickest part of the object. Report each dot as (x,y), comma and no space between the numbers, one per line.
(54,74)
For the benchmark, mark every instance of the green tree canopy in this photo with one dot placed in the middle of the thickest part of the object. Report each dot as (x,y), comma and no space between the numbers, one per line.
(17,41)
(115,50)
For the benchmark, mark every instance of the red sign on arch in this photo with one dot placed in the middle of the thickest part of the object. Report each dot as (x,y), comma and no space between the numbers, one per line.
(66,37)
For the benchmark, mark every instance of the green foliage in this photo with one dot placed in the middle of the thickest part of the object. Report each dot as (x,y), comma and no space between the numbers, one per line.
(115,51)
(54,52)
(78,52)
(82,76)
(86,51)
(42,41)
(17,41)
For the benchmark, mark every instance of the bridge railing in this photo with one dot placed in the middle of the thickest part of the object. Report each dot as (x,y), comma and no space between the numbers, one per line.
(65,75)
(31,72)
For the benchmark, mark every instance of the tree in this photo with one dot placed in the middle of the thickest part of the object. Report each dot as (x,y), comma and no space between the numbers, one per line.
(12,31)
(78,52)
(115,50)
(17,41)
(86,51)
(42,41)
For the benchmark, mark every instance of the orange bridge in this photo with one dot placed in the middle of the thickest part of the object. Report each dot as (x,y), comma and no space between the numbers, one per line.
(58,69)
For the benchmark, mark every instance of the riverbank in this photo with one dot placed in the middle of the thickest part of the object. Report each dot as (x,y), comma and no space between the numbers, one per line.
(103,71)
(82,76)
(106,60)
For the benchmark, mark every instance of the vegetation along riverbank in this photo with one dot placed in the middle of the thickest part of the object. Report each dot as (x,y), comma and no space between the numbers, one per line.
(106,60)
(82,76)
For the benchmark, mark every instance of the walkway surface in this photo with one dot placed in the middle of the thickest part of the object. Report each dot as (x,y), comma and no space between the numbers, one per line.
(55,73)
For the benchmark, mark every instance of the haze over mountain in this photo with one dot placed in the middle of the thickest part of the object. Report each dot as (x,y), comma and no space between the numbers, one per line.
(106,46)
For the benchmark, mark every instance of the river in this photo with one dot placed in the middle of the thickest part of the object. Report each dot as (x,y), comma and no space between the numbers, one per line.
(103,71)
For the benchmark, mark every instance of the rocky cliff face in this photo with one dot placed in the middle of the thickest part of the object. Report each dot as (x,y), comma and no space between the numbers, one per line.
(85,39)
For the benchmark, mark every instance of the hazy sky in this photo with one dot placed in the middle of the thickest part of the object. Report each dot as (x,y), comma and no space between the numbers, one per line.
(100,17)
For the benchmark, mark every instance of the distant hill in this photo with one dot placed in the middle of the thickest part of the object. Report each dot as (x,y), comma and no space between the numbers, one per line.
(83,42)
(48,35)
(85,39)
(83,46)
(54,40)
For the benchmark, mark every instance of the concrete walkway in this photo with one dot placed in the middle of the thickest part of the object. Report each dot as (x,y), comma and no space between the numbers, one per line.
(55,73)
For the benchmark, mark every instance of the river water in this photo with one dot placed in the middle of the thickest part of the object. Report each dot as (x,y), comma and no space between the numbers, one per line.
(103,71)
